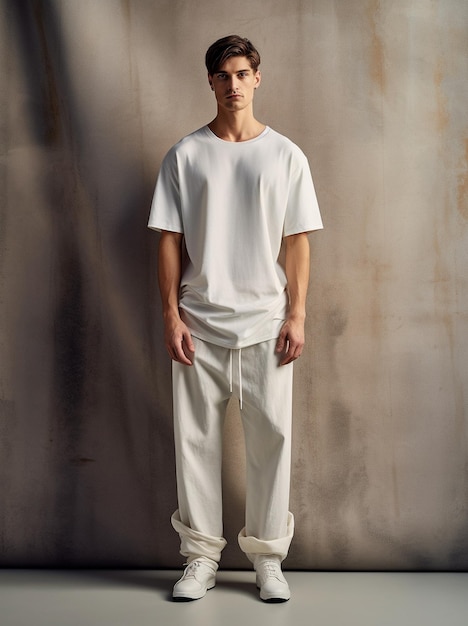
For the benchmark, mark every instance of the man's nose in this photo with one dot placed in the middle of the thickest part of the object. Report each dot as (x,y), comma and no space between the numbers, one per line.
(233,83)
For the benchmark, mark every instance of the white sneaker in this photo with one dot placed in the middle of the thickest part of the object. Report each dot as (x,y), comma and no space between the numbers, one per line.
(270,580)
(198,577)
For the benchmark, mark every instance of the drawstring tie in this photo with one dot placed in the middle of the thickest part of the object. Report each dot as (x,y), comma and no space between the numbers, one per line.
(239,369)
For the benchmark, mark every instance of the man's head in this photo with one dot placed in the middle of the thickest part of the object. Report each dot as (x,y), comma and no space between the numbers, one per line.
(231,46)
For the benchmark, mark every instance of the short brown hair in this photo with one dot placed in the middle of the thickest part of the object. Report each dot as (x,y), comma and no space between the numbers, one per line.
(231,46)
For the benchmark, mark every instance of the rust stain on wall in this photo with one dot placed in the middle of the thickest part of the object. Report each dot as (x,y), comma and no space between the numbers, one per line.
(377,58)
(442,117)
(81,461)
(462,196)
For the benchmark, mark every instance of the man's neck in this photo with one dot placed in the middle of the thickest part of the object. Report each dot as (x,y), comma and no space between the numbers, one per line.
(236,127)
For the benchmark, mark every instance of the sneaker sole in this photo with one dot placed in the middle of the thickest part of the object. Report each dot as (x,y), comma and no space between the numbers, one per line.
(273,599)
(181,598)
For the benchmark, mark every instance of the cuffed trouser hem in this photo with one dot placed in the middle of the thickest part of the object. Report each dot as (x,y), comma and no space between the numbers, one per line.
(280,547)
(194,544)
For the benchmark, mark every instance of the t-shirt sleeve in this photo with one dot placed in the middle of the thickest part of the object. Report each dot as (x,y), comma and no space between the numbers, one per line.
(165,211)
(302,212)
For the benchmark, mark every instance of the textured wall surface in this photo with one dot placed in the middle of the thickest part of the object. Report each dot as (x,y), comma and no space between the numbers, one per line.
(92,95)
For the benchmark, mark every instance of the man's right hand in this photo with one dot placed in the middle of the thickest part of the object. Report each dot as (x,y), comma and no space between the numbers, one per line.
(178,340)
(177,336)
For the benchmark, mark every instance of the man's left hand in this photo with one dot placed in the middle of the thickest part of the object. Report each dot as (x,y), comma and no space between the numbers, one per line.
(291,340)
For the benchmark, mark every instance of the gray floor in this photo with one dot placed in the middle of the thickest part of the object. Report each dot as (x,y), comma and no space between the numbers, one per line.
(140,598)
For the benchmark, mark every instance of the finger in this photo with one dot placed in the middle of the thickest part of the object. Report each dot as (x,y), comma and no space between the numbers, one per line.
(294,352)
(189,342)
(286,357)
(179,354)
(188,349)
(281,342)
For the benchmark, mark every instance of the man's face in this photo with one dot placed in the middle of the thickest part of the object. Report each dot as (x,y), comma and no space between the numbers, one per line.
(234,84)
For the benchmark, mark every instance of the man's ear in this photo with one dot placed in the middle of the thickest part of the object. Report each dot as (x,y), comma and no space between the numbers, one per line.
(258,77)
(210,80)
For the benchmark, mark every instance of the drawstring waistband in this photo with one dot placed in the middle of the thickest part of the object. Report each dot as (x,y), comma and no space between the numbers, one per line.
(239,366)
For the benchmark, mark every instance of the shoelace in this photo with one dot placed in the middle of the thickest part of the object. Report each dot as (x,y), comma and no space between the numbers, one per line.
(269,568)
(191,568)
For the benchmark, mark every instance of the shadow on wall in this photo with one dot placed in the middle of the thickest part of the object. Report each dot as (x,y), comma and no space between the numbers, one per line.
(91,482)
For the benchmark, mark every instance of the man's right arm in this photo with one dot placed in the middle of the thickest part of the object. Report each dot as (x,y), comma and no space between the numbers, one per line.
(177,337)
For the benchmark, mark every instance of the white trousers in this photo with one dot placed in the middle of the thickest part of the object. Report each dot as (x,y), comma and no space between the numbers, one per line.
(200,394)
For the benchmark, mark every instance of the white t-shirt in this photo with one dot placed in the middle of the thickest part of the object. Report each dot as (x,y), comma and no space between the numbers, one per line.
(234,202)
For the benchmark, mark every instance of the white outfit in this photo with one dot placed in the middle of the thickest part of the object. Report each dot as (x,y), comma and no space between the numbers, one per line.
(234,202)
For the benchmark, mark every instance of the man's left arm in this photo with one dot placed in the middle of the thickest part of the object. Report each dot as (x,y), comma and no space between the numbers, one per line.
(297,263)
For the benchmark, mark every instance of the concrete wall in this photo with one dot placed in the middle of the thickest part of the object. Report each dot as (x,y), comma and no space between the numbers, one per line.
(92,95)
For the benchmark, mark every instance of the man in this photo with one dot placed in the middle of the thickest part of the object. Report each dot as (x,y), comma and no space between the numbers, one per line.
(229,197)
